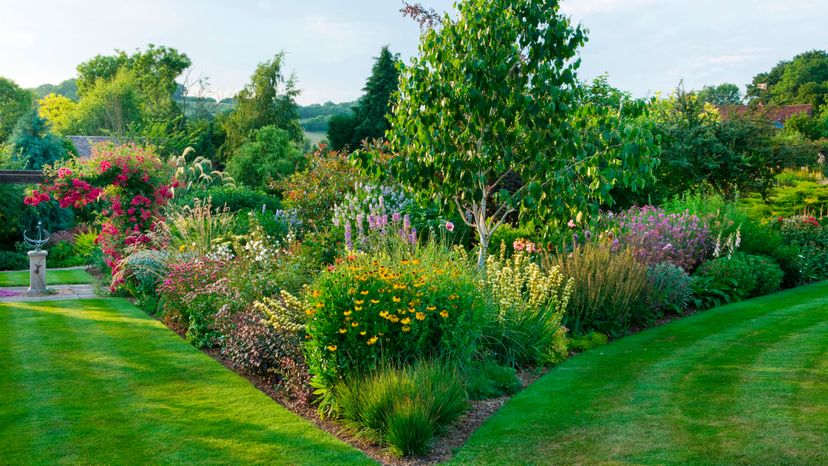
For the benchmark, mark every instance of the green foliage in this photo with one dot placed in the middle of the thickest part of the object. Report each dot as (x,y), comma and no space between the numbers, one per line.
(722,94)
(607,284)
(530,304)
(402,408)
(802,80)
(486,379)
(236,199)
(588,341)
(198,228)
(730,279)
(153,73)
(369,120)
(110,106)
(34,145)
(699,151)
(13,260)
(401,305)
(14,103)
(58,111)
(668,289)
(270,155)
(315,117)
(268,100)
(810,237)
(492,94)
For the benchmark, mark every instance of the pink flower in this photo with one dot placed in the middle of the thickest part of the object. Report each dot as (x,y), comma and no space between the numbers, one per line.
(449,226)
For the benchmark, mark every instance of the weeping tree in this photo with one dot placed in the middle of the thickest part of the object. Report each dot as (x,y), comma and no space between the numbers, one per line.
(487,118)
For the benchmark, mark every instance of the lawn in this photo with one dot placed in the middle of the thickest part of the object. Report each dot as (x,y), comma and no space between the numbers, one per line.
(741,384)
(98,382)
(53,277)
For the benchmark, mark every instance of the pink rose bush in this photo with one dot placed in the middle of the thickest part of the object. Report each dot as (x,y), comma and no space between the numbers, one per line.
(126,185)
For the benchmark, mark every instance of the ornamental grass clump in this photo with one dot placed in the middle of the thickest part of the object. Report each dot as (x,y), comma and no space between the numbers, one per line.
(608,282)
(655,236)
(401,305)
(402,408)
(531,303)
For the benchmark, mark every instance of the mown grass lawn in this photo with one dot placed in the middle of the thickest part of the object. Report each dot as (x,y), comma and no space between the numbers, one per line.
(98,382)
(741,384)
(53,277)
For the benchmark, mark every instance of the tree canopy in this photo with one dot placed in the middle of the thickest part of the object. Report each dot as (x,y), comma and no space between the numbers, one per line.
(722,94)
(267,100)
(492,96)
(14,103)
(802,80)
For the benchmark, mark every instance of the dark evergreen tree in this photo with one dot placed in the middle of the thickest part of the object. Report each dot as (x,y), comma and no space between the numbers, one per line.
(34,145)
(369,120)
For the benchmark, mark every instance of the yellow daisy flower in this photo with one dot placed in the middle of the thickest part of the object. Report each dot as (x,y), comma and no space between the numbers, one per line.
(444,313)
(420,316)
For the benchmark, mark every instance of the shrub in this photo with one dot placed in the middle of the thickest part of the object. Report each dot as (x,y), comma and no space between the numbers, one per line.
(192,293)
(656,236)
(668,289)
(811,239)
(608,281)
(140,273)
(487,379)
(236,199)
(127,185)
(198,228)
(587,342)
(730,279)
(12,260)
(266,338)
(403,408)
(402,305)
(530,304)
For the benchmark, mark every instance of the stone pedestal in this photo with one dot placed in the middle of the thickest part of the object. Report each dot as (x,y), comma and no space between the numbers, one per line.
(37,272)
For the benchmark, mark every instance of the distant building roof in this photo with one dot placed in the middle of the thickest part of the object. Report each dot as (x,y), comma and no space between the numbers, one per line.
(83,144)
(776,114)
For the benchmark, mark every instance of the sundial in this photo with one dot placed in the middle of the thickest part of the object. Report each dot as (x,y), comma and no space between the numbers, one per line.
(37,260)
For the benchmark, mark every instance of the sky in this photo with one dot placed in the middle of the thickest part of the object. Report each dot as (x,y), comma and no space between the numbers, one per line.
(645,46)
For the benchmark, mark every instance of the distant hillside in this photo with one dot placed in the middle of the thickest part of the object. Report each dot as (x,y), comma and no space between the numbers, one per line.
(68,88)
(314,118)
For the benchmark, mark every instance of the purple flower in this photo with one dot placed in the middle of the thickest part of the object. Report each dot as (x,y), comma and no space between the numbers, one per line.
(349,242)
(406,222)
(396,217)
(412,238)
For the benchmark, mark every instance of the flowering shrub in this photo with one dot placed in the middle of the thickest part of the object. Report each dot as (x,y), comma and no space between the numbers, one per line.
(380,232)
(369,200)
(266,338)
(126,185)
(192,293)
(398,306)
(531,304)
(656,236)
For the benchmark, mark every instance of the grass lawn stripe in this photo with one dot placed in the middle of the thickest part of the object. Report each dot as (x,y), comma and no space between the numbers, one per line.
(130,391)
(650,398)
(53,277)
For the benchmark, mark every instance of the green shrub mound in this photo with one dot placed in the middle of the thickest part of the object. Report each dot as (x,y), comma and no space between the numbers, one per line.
(402,408)
(487,379)
(587,342)
(12,260)
(668,289)
(730,279)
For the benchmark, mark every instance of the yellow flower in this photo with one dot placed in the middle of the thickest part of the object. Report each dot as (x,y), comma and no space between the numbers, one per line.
(182,248)
(310,312)
(420,316)
(347,313)
(395,299)
(375,301)
(406,329)
(431,308)
(320,305)
(393,318)
(316,293)
(444,313)
(372,340)
(363,333)
(411,310)
(363,292)
(359,302)
(332,348)
(416,262)
(357,308)
(343,330)
(406,321)
(354,324)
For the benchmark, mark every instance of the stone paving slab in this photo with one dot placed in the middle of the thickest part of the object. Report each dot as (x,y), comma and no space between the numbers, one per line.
(18,293)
